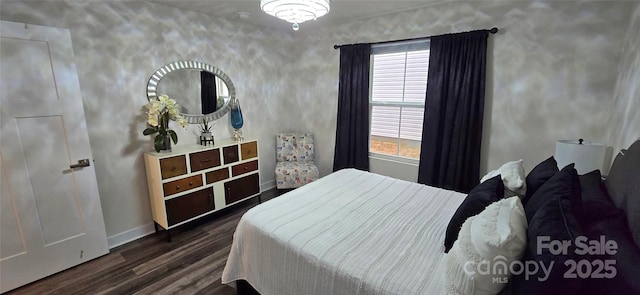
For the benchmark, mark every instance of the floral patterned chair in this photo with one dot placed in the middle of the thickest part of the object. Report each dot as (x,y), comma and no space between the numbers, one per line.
(295,164)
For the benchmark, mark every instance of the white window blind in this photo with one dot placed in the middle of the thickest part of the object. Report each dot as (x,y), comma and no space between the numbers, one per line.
(399,84)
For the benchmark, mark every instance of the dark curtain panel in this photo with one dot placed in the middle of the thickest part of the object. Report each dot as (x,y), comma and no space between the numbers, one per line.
(209,93)
(452,126)
(352,130)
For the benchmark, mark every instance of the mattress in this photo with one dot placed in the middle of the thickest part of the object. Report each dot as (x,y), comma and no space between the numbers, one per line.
(351,232)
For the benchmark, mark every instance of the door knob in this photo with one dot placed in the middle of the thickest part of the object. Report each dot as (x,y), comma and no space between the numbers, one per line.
(81,163)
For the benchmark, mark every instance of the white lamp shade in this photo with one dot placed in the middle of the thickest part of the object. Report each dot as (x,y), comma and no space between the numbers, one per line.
(587,156)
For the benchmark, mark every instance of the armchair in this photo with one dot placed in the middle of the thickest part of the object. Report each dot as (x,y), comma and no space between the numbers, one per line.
(295,164)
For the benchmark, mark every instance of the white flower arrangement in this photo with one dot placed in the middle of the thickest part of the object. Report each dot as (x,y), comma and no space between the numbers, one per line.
(160,111)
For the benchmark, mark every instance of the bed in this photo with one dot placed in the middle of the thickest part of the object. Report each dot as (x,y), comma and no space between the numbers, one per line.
(355,232)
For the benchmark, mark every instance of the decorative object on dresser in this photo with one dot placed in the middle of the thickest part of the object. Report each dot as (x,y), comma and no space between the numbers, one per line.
(160,110)
(194,181)
(295,165)
(206,137)
(236,120)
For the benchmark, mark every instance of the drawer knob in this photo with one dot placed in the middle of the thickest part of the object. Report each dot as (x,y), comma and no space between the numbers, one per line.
(177,187)
(190,183)
(205,160)
(173,168)
(246,168)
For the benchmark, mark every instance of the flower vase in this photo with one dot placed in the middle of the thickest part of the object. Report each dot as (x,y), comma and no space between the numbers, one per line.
(161,110)
(166,144)
(236,120)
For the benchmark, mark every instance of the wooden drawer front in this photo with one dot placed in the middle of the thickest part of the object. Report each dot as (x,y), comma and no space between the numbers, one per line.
(244,168)
(230,154)
(174,166)
(241,188)
(217,175)
(204,160)
(190,205)
(181,185)
(249,150)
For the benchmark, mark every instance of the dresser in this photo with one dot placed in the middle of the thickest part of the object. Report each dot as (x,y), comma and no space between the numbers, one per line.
(193,181)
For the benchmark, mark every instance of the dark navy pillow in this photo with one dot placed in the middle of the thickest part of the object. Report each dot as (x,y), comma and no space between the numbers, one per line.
(552,213)
(539,175)
(603,219)
(479,198)
(612,225)
(564,184)
(593,189)
(553,221)
(596,202)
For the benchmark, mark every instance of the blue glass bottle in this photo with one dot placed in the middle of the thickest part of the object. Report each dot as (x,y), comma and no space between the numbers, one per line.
(236,114)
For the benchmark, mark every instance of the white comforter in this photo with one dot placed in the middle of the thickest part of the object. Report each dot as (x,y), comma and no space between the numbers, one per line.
(349,233)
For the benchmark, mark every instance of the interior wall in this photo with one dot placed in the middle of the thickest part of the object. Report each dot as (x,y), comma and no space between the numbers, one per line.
(624,120)
(117,46)
(553,73)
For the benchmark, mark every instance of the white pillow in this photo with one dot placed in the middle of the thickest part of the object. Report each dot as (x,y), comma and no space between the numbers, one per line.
(513,177)
(496,235)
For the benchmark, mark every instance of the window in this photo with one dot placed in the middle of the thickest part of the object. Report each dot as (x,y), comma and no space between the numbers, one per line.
(399,85)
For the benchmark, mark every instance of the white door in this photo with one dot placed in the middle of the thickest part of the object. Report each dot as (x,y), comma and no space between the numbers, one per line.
(50,213)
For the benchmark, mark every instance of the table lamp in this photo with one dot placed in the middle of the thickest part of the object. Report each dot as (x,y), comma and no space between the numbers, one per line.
(586,155)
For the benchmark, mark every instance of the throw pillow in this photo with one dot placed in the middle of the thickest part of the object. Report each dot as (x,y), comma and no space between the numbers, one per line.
(596,203)
(512,177)
(539,175)
(623,185)
(603,219)
(553,222)
(479,198)
(564,184)
(490,241)
(612,225)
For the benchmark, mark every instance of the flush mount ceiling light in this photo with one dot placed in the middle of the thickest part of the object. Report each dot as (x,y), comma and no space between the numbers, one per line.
(296,11)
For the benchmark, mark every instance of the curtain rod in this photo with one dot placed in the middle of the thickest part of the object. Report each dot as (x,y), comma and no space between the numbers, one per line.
(492,31)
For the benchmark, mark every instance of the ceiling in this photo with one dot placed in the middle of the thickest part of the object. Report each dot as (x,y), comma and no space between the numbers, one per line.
(341,11)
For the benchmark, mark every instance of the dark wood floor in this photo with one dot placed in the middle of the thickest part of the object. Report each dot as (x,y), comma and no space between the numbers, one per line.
(191,263)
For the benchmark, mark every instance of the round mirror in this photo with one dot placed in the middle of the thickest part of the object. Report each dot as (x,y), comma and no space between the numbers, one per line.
(202,91)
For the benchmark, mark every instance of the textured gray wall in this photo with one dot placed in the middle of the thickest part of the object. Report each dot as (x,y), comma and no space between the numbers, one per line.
(552,70)
(554,73)
(118,45)
(624,122)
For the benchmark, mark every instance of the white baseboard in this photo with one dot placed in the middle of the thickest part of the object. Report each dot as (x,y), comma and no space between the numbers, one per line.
(265,186)
(130,235)
(145,230)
